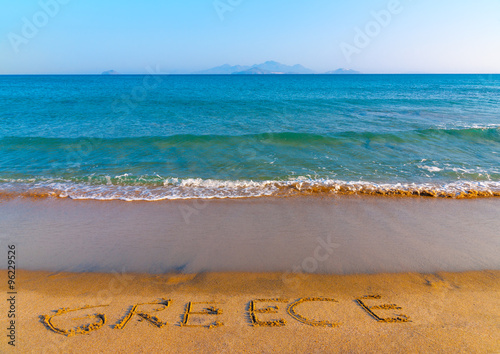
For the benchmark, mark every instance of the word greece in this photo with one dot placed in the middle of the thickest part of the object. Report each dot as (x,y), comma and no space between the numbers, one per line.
(204,314)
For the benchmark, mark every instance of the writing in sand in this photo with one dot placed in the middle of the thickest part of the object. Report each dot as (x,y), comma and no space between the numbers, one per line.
(205,314)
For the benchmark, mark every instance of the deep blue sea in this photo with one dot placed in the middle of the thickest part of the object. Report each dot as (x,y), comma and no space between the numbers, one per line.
(178,137)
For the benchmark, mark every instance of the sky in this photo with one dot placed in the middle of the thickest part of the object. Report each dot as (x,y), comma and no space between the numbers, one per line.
(182,36)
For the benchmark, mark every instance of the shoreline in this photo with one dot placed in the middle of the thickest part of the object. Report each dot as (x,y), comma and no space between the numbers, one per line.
(445,312)
(242,190)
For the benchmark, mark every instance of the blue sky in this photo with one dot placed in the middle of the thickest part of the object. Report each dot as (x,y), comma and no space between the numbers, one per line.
(90,36)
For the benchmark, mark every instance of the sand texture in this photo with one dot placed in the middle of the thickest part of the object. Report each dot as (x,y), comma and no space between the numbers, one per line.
(255,312)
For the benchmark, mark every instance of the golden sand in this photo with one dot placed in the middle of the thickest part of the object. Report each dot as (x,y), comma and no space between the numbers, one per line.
(255,312)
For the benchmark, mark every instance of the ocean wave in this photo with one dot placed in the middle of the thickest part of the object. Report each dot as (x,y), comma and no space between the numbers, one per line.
(218,189)
(472,132)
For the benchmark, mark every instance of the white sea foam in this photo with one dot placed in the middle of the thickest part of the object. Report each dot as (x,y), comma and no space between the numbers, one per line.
(210,189)
(430,168)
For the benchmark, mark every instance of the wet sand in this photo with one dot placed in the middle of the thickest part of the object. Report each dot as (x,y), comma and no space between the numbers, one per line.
(334,235)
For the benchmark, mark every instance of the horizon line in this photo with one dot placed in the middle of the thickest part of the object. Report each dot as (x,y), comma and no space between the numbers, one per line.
(193,74)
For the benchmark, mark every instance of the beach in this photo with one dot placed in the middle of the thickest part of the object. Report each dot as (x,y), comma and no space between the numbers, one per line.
(366,274)
(444,312)
(237,213)
(235,176)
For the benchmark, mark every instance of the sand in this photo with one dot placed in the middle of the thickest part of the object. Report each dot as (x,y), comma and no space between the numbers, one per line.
(335,235)
(339,274)
(410,312)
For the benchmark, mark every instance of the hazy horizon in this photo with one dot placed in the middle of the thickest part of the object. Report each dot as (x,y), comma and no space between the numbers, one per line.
(373,37)
(195,74)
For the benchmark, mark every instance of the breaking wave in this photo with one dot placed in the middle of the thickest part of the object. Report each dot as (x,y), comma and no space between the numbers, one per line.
(217,189)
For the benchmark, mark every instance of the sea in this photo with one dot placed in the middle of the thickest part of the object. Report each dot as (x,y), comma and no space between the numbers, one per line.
(157,137)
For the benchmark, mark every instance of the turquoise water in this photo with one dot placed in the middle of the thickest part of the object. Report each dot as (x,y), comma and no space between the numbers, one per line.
(168,137)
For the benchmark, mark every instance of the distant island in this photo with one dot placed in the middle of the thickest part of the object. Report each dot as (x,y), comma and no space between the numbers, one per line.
(267,68)
(110,72)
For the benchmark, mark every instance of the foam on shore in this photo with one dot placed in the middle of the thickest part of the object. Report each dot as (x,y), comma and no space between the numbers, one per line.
(175,189)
